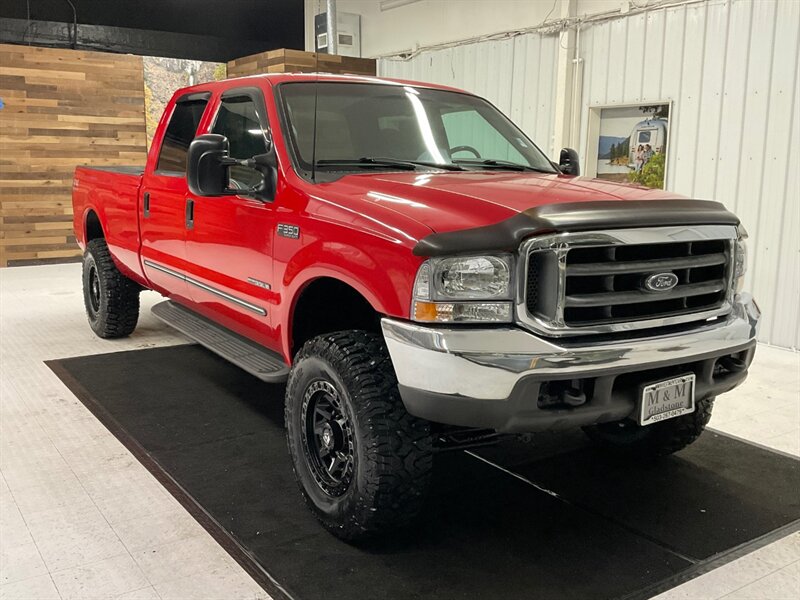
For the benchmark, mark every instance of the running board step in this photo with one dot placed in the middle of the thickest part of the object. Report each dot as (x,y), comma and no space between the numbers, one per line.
(247,355)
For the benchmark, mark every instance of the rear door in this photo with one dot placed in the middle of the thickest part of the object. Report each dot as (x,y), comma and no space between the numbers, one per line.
(229,241)
(162,208)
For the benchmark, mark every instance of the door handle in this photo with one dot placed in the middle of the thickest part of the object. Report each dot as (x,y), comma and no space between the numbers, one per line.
(189,214)
(146,205)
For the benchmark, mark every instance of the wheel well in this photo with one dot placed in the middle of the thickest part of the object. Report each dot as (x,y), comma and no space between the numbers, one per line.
(328,305)
(93,228)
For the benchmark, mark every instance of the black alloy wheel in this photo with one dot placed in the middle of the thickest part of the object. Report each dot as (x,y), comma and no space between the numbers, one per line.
(94,291)
(328,438)
(362,463)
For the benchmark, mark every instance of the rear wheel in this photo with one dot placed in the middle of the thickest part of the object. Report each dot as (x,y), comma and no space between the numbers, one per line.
(110,298)
(362,462)
(659,439)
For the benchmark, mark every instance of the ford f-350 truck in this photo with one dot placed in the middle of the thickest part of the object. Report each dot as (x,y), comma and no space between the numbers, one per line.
(420,275)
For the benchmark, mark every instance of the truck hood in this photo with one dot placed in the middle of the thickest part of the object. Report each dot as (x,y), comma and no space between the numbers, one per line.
(463,200)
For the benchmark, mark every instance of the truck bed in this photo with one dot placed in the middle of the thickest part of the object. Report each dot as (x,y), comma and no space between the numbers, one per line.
(121,170)
(110,195)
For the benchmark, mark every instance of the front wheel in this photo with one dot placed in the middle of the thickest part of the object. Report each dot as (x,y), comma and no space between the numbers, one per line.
(658,439)
(362,462)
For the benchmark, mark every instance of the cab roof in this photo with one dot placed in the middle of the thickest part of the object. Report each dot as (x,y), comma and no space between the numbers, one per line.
(278,78)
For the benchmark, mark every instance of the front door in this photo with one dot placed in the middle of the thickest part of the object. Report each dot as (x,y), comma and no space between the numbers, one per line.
(229,238)
(163,203)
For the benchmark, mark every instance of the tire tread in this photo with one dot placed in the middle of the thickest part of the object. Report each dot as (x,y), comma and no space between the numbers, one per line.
(659,439)
(398,446)
(119,306)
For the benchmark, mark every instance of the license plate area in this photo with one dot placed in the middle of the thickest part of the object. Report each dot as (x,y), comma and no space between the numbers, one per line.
(666,399)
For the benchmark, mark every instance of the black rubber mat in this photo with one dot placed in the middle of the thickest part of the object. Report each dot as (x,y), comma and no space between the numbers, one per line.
(547,519)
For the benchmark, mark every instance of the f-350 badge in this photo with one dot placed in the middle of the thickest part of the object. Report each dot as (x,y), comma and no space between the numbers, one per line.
(289,231)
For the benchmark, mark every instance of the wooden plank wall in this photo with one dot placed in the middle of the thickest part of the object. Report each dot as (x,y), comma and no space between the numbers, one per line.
(62,108)
(297,61)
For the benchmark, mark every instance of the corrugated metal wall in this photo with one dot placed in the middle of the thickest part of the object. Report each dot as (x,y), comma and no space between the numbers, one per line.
(517,75)
(730,67)
(731,71)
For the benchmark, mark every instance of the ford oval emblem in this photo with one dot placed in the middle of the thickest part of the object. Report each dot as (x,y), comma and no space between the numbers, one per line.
(660,282)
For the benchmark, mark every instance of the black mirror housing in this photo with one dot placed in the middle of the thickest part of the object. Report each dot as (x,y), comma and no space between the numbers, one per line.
(267,165)
(568,162)
(206,168)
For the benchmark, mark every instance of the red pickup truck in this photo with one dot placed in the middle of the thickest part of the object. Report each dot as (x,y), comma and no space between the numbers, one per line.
(420,275)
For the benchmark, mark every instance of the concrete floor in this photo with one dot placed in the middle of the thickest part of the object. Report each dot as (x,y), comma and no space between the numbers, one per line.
(81,518)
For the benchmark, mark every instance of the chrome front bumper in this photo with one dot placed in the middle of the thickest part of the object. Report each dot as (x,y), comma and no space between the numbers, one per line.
(485,377)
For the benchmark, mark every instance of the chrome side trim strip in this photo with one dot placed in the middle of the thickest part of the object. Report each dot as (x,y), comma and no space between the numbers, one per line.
(224,295)
(228,297)
(166,270)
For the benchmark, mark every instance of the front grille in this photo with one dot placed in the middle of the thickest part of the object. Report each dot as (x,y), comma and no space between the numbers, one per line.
(577,287)
(606,284)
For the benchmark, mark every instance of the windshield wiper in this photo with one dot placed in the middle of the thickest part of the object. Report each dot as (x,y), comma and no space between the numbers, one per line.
(370,161)
(494,163)
(421,163)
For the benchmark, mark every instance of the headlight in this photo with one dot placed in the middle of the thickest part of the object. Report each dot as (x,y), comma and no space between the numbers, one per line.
(464,289)
(740,260)
(472,277)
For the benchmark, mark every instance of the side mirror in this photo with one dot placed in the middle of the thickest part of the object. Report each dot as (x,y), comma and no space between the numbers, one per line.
(267,165)
(206,168)
(568,162)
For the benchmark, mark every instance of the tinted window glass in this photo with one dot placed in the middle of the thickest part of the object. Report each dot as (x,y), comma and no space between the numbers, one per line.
(329,122)
(180,133)
(238,121)
(470,135)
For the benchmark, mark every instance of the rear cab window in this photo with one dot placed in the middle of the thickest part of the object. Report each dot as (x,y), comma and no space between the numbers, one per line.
(180,132)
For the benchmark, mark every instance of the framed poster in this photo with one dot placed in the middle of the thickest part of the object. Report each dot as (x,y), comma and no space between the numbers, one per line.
(631,143)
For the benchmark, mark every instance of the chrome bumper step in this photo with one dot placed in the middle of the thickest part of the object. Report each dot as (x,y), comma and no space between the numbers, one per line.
(245,354)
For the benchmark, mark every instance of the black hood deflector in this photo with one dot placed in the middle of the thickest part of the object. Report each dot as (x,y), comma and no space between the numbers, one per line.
(575,216)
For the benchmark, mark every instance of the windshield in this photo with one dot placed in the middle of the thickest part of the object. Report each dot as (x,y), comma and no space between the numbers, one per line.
(391,127)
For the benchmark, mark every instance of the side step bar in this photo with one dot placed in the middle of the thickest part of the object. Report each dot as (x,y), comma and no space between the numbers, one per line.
(245,354)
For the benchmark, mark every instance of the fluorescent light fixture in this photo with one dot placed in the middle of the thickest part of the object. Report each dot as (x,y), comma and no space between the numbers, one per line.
(390,4)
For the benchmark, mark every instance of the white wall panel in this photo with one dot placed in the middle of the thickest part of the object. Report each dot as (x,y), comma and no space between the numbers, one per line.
(731,70)
(518,75)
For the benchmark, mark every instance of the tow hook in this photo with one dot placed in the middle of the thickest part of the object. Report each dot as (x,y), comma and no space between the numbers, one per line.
(557,393)
(732,364)
(572,397)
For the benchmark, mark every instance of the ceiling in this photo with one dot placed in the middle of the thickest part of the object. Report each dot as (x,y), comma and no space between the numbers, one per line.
(262,24)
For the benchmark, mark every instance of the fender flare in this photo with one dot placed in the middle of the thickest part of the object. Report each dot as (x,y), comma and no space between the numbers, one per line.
(313,263)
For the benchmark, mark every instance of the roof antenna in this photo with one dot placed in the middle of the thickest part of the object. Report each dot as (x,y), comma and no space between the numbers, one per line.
(332,38)
(314,129)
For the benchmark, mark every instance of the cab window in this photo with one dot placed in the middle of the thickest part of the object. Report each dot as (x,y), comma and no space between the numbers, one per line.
(238,121)
(180,133)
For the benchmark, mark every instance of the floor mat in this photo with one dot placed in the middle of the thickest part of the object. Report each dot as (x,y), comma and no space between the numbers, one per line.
(547,519)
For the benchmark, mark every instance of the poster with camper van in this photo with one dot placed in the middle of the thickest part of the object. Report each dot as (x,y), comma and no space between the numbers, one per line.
(632,145)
